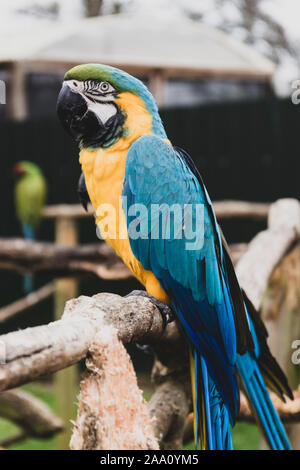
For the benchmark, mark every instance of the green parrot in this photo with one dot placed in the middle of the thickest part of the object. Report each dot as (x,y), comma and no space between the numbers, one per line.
(30,196)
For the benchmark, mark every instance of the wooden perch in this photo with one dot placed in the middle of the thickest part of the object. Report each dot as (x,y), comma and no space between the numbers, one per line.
(61,260)
(24,256)
(289,411)
(241,209)
(28,301)
(36,351)
(66,211)
(223,209)
(32,415)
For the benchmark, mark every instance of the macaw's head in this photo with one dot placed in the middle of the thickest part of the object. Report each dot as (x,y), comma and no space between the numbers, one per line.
(25,168)
(99,104)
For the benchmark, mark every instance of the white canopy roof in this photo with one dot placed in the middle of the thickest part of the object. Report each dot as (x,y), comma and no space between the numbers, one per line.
(136,41)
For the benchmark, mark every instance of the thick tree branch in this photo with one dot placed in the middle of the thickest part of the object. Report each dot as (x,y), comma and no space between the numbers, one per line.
(268,247)
(28,301)
(33,416)
(35,351)
(98,259)
(169,407)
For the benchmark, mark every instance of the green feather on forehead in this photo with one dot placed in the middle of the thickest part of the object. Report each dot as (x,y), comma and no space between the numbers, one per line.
(121,80)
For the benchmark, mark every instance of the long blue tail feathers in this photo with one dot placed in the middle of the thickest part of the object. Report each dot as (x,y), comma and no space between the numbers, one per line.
(28,280)
(261,403)
(211,418)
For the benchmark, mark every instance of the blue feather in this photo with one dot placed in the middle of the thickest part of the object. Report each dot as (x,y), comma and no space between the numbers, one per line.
(197,283)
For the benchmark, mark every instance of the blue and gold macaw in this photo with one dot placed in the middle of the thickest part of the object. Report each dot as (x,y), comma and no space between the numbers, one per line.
(125,155)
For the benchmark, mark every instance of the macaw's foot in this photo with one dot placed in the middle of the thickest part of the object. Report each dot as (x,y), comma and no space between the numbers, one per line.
(167,313)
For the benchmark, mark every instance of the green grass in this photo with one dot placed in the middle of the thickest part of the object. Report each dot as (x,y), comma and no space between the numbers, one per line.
(245,436)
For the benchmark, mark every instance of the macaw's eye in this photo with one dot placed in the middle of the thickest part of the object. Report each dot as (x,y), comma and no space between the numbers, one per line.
(105,87)
(75,84)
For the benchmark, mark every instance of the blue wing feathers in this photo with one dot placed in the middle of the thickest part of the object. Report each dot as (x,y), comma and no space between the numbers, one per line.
(197,281)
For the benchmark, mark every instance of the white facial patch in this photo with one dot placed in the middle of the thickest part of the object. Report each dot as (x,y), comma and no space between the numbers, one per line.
(104,111)
(102,108)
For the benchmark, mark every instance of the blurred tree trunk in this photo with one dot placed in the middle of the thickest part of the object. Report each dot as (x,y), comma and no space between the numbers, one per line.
(92,7)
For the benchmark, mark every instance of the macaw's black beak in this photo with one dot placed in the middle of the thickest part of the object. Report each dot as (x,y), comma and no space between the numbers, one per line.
(82,192)
(84,125)
(81,123)
(71,109)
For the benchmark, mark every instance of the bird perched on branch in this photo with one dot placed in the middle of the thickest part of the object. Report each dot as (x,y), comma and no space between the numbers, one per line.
(140,185)
(30,196)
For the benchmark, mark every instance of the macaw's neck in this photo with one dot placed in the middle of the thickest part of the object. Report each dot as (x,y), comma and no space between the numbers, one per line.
(141,118)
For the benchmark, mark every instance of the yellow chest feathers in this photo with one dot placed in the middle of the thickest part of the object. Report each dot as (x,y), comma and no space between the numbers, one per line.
(104,171)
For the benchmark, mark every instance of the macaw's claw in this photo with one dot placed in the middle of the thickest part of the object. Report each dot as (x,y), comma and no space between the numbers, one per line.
(167,313)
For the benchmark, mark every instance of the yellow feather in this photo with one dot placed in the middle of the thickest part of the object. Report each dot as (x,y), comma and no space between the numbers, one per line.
(104,171)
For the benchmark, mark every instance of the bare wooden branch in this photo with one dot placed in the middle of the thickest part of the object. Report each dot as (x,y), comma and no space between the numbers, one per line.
(99,259)
(32,415)
(268,248)
(237,251)
(60,260)
(241,209)
(26,302)
(289,411)
(72,211)
(33,352)
(169,406)
(112,413)
(12,440)
(224,210)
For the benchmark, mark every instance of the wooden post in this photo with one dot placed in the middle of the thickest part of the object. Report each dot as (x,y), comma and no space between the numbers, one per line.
(156,86)
(66,383)
(16,101)
(281,314)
